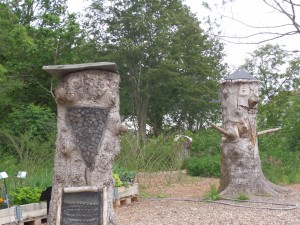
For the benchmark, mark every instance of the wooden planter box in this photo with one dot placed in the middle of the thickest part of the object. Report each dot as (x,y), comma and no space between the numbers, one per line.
(126,195)
(34,213)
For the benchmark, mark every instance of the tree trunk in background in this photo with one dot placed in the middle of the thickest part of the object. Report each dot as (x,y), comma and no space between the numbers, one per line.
(142,121)
(241,171)
(88,136)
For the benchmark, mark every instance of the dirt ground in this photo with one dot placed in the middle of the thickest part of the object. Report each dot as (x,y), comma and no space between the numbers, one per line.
(155,207)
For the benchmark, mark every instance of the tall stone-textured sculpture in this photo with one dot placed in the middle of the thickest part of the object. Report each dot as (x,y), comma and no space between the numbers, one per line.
(241,171)
(87,143)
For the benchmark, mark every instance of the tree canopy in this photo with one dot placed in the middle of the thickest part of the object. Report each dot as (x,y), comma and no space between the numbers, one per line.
(278,71)
(168,64)
(33,34)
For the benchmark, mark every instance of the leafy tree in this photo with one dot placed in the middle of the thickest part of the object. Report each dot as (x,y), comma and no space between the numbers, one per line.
(38,120)
(275,68)
(278,71)
(13,39)
(33,34)
(165,59)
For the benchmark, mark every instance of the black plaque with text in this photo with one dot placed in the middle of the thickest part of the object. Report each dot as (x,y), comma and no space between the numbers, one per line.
(82,208)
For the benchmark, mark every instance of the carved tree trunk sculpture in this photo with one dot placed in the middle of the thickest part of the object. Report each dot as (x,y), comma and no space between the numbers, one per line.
(240,162)
(88,125)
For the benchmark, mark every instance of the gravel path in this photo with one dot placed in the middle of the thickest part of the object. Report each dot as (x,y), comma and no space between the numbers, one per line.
(166,212)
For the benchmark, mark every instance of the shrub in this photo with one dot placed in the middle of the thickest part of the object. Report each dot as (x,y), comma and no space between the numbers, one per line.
(38,120)
(279,164)
(205,142)
(26,195)
(206,166)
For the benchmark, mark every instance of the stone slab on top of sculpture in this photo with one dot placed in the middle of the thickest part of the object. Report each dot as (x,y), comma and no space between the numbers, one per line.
(88,126)
(241,171)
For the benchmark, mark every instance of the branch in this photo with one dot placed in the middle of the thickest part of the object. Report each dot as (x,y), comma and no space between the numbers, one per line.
(272,6)
(259,42)
(292,16)
(291,2)
(49,91)
(255,27)
(221,130)
(268,131)
(258,34)
(279,8)
(282,10)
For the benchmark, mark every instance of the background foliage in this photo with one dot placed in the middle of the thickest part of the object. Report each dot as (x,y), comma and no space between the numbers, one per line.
(169,66)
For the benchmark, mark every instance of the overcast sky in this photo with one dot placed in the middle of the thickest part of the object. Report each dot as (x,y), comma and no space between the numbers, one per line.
(251,12)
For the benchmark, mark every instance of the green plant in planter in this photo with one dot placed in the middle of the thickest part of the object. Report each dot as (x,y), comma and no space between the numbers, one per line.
(118,182)
(126,176)
(26,195)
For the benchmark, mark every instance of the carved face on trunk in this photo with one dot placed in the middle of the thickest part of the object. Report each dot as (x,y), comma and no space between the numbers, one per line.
(248,97)
(239,103)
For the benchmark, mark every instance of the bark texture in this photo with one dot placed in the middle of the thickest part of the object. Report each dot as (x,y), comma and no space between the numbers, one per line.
(241,171)
(87,142)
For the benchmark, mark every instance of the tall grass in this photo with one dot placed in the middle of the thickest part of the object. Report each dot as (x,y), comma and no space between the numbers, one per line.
(27,153)
(153,155)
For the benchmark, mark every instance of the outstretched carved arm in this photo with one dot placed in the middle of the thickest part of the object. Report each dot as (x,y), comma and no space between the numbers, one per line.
(268,131)
(230,134)
(221,130)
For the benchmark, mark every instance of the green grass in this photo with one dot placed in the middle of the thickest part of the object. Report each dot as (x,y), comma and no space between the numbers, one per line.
(242,197)
(212,194)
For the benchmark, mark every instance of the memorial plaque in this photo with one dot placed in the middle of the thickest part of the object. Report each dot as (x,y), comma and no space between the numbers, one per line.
(82,208)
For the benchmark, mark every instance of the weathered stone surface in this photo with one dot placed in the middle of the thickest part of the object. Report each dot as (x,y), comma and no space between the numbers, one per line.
(89,125)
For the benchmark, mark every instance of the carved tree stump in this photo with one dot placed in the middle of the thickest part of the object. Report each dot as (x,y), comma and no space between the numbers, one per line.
(241,171)
(88,125)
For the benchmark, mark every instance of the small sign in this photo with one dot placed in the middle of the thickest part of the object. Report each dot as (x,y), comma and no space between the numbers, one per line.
(3,175)
(82,208)
(21,174)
